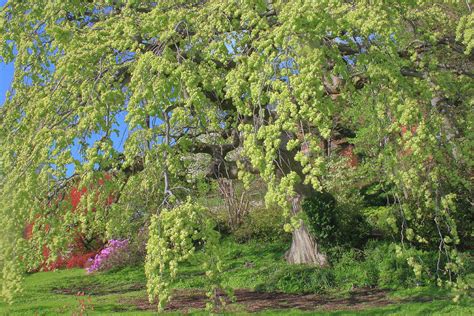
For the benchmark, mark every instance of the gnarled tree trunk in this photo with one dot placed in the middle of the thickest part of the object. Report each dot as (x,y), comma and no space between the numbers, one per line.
(304,248)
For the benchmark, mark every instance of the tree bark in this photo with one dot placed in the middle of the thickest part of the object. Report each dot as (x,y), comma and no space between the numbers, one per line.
(304,248)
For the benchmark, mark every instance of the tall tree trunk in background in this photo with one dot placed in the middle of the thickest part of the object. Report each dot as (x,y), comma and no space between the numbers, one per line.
(304,248)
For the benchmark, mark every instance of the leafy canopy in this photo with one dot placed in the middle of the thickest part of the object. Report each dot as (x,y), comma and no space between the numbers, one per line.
(137,88)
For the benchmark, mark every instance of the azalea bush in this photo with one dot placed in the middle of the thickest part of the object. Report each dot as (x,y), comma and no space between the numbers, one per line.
(114,255)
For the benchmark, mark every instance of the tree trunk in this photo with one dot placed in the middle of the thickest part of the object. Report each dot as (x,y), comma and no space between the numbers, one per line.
(304,248)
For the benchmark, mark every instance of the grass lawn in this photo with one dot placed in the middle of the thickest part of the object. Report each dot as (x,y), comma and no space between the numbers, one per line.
(250,266)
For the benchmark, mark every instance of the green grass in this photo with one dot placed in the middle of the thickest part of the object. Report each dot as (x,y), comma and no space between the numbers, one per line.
(252,265)
(41,295)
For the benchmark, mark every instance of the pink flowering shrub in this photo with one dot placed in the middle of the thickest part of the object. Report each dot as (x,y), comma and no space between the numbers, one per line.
(115,254)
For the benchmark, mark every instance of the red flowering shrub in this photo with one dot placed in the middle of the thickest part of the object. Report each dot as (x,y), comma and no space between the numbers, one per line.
(80,260)
(59,263)
(80,250)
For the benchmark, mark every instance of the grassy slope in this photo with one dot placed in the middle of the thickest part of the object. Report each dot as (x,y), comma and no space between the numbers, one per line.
(247,266)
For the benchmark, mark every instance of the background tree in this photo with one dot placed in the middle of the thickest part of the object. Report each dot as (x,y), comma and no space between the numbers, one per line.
(269,87)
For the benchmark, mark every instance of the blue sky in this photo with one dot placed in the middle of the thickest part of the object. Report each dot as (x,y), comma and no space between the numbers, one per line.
(6,73)
(6,76)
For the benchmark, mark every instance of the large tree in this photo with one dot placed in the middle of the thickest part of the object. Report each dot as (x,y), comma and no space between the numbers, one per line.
(264,87)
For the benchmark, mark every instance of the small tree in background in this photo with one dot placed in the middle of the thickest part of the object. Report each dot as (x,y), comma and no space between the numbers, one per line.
(237,203)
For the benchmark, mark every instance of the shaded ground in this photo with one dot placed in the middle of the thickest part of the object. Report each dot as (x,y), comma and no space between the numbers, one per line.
(98,289)
(122,292)
(251,301)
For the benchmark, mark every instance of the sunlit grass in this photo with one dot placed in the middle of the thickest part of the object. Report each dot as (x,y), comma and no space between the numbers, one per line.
(251,266)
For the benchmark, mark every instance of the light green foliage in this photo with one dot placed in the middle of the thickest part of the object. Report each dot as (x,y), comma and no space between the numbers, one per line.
(174,237)
(465,32)
(285,79)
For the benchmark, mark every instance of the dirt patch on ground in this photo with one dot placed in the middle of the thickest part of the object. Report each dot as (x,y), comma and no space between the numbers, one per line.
(99,289)
(252,301)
